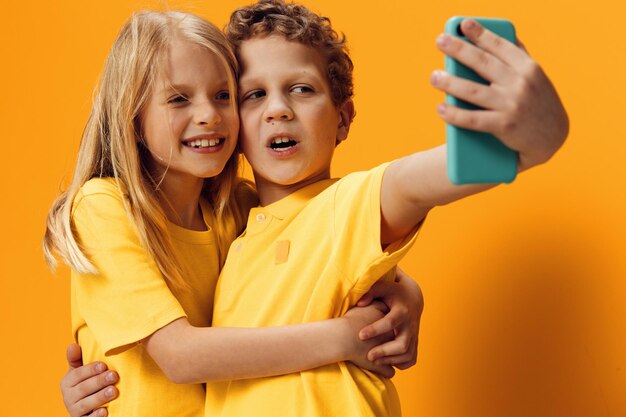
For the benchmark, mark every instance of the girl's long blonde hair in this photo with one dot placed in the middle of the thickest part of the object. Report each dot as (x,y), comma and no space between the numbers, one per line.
(110,145)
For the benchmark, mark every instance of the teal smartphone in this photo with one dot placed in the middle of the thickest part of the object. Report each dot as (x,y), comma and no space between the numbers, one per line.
(476,157)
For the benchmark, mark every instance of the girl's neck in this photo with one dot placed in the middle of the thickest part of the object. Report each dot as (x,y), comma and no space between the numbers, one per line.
(180,200)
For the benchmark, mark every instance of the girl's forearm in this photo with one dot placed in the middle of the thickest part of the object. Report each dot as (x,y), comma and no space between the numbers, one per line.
(188,354)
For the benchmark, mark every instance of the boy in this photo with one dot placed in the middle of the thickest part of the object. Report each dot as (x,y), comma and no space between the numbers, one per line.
(295,107)
(317,244)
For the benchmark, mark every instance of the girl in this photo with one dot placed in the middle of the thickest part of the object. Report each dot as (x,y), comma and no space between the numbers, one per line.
(147,221)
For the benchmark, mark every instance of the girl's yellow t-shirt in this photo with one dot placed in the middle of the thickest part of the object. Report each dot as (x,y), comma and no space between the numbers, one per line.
(129,300)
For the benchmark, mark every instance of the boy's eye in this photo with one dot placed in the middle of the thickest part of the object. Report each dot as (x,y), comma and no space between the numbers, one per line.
(302,89)
(177,100)
(254,95)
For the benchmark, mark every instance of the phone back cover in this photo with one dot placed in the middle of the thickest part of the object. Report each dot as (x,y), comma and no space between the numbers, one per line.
(477,157)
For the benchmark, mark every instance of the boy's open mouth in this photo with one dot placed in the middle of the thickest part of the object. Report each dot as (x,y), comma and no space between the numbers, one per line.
(283,143)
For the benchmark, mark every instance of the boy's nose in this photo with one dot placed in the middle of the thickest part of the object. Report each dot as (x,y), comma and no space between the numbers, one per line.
(206,114)
(278,109)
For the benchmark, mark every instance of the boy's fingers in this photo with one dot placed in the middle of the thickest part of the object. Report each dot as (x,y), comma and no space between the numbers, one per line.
(74,356)
(485,64)
(479,120)
(100,412)
(84,373)
(97,384)
(494,44)
(469,91)
(521,45)
(96,401)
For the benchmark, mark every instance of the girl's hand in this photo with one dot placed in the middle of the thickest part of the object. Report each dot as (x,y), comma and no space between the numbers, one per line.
(521,106)
(357,349)
(86,388)
(406,303)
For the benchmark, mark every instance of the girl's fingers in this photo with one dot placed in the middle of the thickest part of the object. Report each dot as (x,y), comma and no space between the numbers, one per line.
(495,45)
(384,325)
(385,370)
(399,361)
(379,289)
(398,346)
(482,62)
(365,300)
(469,91)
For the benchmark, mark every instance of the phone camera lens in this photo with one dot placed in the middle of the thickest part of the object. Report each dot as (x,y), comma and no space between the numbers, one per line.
(459,31)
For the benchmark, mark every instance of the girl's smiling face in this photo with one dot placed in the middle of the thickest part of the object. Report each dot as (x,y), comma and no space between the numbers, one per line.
(188,124)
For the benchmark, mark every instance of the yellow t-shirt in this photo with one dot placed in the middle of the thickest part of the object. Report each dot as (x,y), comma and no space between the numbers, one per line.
(307,257)
(129,300)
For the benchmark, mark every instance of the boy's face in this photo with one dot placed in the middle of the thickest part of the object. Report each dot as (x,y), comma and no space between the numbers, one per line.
(289,123)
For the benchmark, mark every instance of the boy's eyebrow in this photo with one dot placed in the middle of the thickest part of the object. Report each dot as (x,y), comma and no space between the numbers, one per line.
(291,73)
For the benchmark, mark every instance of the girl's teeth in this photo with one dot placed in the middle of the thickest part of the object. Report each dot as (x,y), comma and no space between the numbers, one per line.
(204,143)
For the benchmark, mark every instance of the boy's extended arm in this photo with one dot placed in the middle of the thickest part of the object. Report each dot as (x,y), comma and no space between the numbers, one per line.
(521,107)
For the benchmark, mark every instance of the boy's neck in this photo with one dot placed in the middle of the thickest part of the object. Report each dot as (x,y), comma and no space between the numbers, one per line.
(271,192)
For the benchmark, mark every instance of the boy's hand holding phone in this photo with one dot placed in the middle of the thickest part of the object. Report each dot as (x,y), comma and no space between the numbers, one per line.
(519,104)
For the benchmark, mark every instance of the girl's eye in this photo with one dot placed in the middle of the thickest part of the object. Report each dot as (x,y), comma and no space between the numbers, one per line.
(254,95)
(177,100)
(223,95)
(302,89)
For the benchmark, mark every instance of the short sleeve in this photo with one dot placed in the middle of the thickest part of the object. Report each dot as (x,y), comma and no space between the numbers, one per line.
(128,299)
(356,231)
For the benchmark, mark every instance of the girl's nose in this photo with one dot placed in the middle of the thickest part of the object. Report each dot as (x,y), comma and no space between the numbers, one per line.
(206,114)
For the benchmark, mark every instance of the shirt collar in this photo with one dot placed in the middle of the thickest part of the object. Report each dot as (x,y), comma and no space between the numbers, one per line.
(295,201)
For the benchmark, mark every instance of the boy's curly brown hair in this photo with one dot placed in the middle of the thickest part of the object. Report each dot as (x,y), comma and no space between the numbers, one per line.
(297,23)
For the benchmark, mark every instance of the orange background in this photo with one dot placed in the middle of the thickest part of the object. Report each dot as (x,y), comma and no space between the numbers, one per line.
(524,285)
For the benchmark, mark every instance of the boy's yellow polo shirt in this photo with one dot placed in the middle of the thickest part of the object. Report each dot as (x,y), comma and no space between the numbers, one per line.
(307,257)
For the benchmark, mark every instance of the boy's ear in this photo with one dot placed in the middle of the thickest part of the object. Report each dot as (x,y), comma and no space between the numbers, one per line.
(346,114)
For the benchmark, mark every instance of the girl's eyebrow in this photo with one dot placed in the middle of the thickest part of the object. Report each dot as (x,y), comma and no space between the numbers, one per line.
(177,88)
(173,88)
